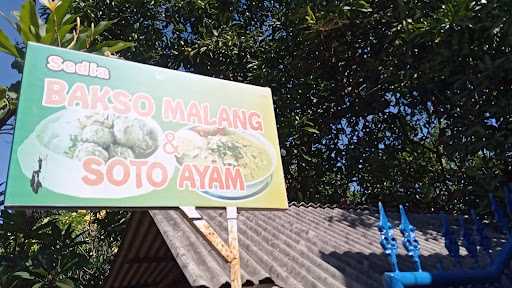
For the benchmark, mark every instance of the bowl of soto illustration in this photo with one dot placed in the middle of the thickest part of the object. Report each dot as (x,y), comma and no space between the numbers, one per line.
(246,150)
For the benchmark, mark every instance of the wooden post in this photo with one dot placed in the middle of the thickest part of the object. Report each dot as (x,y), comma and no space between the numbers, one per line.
(234,265)
(231,251)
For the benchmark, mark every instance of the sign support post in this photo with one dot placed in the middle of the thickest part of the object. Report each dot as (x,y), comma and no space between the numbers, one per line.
(234,265)
(231,251)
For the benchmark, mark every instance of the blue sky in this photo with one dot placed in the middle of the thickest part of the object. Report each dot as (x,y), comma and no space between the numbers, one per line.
(7,76)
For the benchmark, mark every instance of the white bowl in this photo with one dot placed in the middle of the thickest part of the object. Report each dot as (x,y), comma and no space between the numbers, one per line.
(252,188)
(64,175)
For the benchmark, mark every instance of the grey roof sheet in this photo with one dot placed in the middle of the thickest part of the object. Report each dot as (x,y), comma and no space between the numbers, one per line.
(304,246)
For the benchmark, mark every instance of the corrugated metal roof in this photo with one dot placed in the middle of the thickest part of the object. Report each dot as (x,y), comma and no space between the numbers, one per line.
(304,246)
(144,260)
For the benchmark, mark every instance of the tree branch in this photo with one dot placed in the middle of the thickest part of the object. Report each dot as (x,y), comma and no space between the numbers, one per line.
(6,118)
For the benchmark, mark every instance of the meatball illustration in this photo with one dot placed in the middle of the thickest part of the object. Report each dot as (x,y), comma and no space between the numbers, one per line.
(120,151)
(77,135)
(97,135)
(98,119)
(137,135)
(90,149)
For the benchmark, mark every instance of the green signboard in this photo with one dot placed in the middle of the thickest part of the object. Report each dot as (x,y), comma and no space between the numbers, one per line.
(94,131)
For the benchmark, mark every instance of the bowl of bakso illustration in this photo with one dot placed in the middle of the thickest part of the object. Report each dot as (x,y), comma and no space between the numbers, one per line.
(239,149)
(124,148)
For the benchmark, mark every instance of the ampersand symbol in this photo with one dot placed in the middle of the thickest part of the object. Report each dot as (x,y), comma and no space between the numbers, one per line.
(169,146)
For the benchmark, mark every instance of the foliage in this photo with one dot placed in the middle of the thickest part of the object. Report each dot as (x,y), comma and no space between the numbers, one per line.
(60,29)
(55,249)
(51,249)
(394,101)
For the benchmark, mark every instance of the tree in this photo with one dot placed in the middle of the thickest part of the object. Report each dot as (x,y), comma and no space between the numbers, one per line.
(58,249)
(60,29)
(395,101)
(55,249)
(400,102)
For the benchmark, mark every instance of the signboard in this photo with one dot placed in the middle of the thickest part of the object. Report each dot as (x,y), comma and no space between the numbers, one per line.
(94,131)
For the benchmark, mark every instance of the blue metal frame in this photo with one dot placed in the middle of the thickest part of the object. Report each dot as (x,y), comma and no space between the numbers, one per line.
(387,240)
(450,241)
(410,243)
(468,242)
(492,274)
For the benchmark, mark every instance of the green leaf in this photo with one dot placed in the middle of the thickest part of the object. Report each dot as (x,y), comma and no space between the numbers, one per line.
(83,40)
(29,22)
(65,29)
(88,35)
(101,27)
(24,275)
(309,123)
(37,285)
(68,19)
(7,46)
(306,157)
(311,16)
(61,11)
(4,105)
(50,31)
(59,22)
(69,266)
(312,130)
(113,46)
(40,271)
(65,283)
